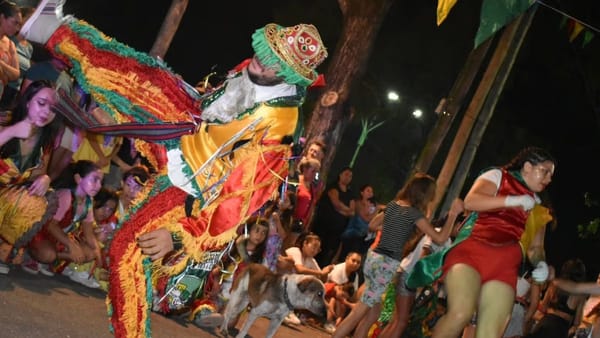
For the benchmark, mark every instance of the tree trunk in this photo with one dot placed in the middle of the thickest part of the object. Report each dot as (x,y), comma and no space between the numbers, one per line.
(361,23)
(169,28)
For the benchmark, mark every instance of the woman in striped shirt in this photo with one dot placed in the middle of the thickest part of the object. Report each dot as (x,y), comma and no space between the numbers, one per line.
(406,212)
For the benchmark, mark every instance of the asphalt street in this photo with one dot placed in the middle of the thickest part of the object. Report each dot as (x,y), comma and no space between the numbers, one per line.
(55,307)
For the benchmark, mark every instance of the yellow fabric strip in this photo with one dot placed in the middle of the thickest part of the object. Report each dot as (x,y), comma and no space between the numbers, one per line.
(443,8)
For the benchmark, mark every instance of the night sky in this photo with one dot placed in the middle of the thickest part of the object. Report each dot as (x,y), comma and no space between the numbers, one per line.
(548,100)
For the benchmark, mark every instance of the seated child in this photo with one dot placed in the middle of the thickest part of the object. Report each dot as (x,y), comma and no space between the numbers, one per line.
(279,212)
(309,245)
(249,248)
(105,206)
(206,293)
(304,257)
(69,236)
(338,299)
(342,275)
(109,206)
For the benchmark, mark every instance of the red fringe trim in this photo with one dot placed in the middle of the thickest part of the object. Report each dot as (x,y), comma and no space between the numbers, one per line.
(130,230)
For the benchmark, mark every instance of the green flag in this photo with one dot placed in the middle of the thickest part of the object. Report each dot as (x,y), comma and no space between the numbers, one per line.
(587,37)
(496,14)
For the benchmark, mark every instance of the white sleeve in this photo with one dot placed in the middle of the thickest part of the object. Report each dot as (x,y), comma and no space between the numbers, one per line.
(296,255)
(492,175)
(338,274)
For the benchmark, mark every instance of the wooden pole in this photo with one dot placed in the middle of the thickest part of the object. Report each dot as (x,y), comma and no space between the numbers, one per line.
(479,98)
(489,107)
(169,28)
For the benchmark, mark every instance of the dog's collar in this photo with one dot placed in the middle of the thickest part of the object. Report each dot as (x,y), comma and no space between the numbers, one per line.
(286,297)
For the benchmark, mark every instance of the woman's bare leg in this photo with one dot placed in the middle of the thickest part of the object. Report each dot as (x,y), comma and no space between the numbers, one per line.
(495,306)
(399,319)
(362,330)
(350,322)
(462,284)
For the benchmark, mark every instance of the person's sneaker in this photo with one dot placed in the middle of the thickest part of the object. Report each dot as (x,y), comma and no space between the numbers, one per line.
(67,271)
(92,283)
(83,278)
(31,266)
(44,21)
(329,327)
(45,270)
(292,319)
(4,268)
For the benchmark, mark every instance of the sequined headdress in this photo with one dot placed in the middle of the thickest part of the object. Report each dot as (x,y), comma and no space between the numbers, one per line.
(297,50)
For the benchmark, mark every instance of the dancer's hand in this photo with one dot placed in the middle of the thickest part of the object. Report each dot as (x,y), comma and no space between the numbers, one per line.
(525,201)
(541,272)
(156,244)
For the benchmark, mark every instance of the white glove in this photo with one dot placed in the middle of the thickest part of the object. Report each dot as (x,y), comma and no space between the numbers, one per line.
(540,273)
(525,201)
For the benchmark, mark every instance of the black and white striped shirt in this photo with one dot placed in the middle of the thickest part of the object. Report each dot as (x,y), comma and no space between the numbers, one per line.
(398,224)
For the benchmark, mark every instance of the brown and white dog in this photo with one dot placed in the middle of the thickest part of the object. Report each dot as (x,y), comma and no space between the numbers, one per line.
(273,296)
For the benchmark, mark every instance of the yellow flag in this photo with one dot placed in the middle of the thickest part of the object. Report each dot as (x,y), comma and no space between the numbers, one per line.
(539,216)
(577,28)
(443,8)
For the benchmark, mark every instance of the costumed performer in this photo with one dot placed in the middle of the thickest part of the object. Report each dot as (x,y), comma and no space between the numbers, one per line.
(480,270)
(26,142)
(225,153)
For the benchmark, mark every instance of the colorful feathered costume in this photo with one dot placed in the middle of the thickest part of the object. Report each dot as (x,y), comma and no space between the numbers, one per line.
(212,176)
(21,215)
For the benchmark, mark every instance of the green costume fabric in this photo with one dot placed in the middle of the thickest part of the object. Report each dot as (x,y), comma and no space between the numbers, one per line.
(428,269)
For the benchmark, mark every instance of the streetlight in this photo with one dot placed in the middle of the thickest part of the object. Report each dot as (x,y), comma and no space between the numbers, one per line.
(393,96)
(417,113)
